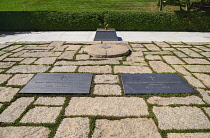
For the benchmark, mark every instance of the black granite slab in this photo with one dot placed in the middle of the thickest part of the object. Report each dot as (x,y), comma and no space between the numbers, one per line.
(59,83)
(106,35)
(155,84)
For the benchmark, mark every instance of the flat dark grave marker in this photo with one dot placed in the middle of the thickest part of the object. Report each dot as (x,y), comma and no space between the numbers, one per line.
(106,35)
(59,83)
(155,84)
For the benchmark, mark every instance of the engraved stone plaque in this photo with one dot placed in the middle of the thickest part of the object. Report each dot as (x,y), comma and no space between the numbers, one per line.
(155,84)
(59,83)
(106,35)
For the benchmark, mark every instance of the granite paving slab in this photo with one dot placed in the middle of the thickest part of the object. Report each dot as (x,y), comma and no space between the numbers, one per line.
(181,118)
(24,132)
(73,128)
(107,106)
(130,127)
(15,109)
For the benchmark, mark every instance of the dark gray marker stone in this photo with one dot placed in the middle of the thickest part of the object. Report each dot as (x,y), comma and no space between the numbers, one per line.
(59,83)
(106,35)
(155,84)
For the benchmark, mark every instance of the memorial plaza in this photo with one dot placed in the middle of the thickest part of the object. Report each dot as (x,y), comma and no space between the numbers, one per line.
(105,111)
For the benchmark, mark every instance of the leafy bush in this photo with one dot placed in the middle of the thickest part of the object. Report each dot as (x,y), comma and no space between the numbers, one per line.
(159,21)
(71,21)
(43,21)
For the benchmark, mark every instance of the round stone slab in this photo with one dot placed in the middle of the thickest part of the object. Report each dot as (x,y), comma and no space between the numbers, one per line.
(107,50)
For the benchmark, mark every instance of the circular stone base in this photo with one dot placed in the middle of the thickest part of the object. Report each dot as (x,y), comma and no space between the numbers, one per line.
(107,50)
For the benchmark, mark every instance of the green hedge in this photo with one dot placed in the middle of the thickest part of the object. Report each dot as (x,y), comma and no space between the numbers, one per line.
(50,21)
(159,21)
(138,21)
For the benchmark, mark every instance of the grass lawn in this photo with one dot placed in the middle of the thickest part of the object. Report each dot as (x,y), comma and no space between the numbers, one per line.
(78,5)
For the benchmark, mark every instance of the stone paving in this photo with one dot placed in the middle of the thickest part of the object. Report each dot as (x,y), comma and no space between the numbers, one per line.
(106,111)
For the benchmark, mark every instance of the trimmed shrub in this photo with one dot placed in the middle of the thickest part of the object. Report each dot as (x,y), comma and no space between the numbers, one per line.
(86,21)
(159,21)
(50,21)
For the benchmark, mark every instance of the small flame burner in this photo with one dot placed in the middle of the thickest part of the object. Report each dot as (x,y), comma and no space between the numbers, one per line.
(106,47)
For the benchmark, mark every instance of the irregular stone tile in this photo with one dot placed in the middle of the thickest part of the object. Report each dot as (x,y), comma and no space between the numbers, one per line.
(107,106)
(82,57)
(28,69)
(106,89)
(20,79)
(41,54)
(137,45)
(13,59)
(56,43)
(15,109)
(140,49)
(153,57)
(41,115)
(206,54)
(67,55)
(181,46)
(197,50)
(136,54)
(205,95)
(50,100)
(4,77)
(130,127)
(95,69)
(172,60)
(19,49)
(73,128)
(203,48)
(106,79)
(59,48)
(19,53)
(73,47)
(46,60)
(6,64)
(158,53)
(63,69)
(189,52)
(28,60)
(194,82)
(175,43)
(12,47)
(180,54)
(160,67)
(196,61)
(5,56)
(1,105)
(87,62)
(205,78)
(135,59)
(126,63)
(198,68)
(37,47)
(24,132)
(2,52)
(4,45)
(131,69)
(175,100)
(181,118)
(33,42)
(82,42)
(207,109)
(168,49)
(162,44)
(7,93)
(152,47)
(188,135)
(181,70)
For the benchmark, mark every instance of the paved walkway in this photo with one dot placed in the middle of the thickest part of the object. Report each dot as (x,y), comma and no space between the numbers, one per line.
(131,36)
(106,111)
